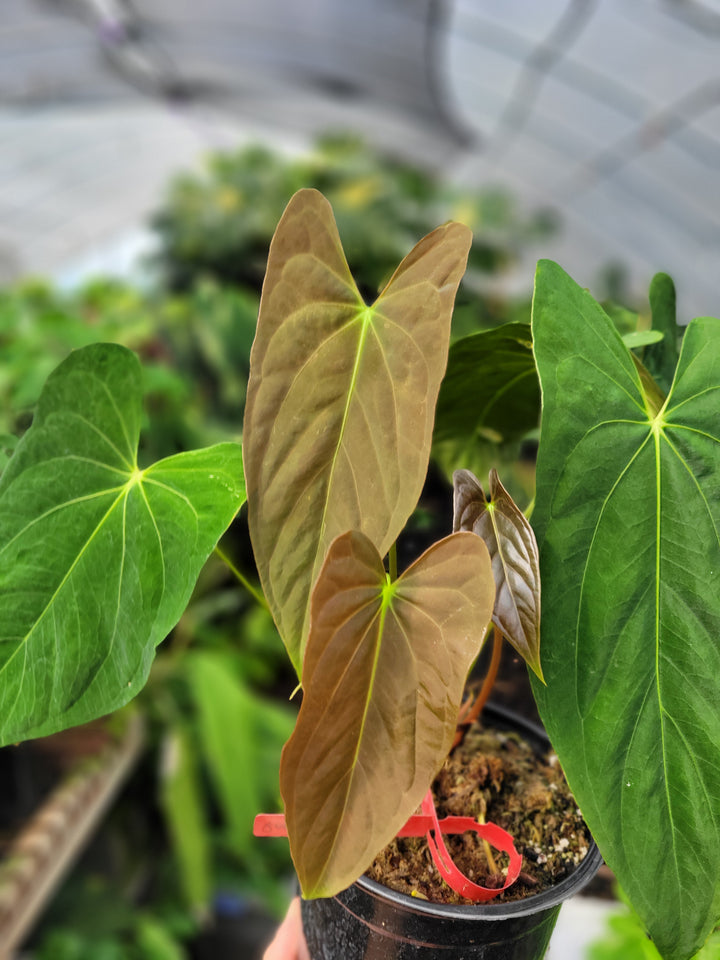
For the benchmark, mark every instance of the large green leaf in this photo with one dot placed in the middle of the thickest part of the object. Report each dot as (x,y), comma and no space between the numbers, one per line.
(385,668)
(341,400)
(627,518)
(491,388)
(97,556)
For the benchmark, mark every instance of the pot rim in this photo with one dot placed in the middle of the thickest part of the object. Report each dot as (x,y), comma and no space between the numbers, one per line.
(534,903)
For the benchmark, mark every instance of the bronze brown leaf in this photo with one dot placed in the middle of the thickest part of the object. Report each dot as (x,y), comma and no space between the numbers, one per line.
(384,673)
(514,553)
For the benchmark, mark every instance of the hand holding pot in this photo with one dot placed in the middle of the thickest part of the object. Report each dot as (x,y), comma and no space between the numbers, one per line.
(289,942)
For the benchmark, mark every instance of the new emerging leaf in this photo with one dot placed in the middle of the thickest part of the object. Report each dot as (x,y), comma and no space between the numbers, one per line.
(515,562)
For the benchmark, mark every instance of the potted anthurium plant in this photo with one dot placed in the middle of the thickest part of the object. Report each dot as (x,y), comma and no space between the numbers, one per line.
(98,557)
(337,437)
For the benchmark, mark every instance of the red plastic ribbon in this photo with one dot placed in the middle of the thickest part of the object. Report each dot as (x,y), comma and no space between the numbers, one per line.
(273,825)
(427,823)
(499,838)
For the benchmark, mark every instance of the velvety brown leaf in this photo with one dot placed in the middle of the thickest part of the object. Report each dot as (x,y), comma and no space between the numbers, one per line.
(341,400)
(511,542)
(385,668)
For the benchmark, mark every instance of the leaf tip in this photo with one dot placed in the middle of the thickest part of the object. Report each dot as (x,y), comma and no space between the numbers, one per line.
(536,668)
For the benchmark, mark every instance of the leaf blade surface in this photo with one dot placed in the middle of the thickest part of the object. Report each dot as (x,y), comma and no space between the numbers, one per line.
(627,518)
(514,555)
(490,385)
(341,400)
(97,557)
(387,662)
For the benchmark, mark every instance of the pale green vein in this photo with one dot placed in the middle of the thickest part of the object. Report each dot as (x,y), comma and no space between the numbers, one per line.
(354,764)
(131,444)
(700,433)
(507,387)
(64,580)
(700,393)
(331,694)
(121,576)
(103,436)
(604,373)
(60,506)
(694,479)
(364,317)
(623,785)
(170,490)
(347,281)
(587,562)
(658,559)
(89,460)
(322,345)
(157,532)
(121,573)
(709,803)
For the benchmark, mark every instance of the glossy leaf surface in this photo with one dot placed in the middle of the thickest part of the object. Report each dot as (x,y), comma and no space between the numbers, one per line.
(384,674)
(341,400)
(514,555)
(627,518)
(490,388)
(97,557)
(661,358)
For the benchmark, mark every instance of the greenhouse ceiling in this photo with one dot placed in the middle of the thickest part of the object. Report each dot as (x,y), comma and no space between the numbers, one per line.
(606,110)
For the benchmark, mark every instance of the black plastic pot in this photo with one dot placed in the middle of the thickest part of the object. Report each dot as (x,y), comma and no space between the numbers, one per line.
(371,922)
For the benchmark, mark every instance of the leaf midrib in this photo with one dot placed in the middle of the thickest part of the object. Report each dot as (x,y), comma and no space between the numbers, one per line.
(659,435)
(364,317)
(381,614)
(124,492)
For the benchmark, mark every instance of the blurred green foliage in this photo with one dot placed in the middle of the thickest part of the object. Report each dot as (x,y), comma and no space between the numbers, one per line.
(219,224)
(194,351)
(626,939)
(221,744)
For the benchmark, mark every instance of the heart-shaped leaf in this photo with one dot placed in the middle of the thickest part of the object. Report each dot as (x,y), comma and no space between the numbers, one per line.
(490,388)
(627,518)
(341,400)
(385,667)
(97,557)
(515,562)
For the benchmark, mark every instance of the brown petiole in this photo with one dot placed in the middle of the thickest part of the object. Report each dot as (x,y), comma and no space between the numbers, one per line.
(471,711)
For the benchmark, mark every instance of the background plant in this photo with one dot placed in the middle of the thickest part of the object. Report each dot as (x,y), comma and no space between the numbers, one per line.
(219,224)
(626,939)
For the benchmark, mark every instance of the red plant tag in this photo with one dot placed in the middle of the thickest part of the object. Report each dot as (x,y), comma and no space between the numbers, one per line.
(499,838)
(273,825)
(270,825)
